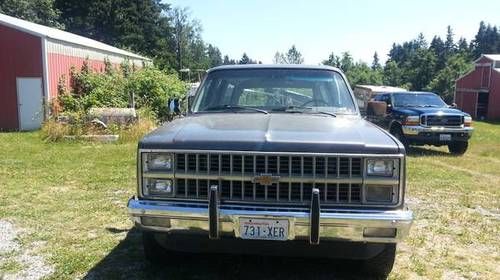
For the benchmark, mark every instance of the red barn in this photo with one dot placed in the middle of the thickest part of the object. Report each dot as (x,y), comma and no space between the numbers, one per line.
(478,92)
(33,57)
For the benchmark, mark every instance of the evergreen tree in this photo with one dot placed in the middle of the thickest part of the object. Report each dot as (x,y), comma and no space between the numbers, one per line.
(449,45)
(332,60)
(244,59)
(37,11)
(437,46)
(376,63)
(293,56)
(214,56)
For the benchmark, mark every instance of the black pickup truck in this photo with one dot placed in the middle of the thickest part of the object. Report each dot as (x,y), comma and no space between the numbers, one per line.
(421,118)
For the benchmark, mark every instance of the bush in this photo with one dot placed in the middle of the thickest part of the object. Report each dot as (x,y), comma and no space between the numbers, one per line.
(151,88)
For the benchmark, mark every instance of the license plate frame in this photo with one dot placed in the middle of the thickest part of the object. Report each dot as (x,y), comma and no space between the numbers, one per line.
(264,229)
(444,137)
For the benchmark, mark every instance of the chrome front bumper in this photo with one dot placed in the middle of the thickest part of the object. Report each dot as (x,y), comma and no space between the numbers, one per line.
(335,225)
(417,129)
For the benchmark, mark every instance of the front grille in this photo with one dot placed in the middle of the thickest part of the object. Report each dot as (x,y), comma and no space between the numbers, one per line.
(338,178)
(442,120)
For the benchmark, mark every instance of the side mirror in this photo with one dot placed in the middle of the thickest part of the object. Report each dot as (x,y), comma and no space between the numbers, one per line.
(174,106)
(376,108)
(453,105)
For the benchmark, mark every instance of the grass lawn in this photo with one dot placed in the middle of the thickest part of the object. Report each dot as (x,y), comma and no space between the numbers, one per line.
(68,201)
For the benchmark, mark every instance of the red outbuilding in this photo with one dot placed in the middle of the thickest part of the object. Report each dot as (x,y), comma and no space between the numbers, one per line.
(33,58)
(478,92)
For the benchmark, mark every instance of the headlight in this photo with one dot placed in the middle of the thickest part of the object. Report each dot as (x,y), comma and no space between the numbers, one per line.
(412,120)
(158,162)
(467,121)
(161,187)
(379,193)
(380,167)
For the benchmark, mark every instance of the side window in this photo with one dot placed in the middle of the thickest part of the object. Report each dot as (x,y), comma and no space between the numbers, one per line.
(386,98)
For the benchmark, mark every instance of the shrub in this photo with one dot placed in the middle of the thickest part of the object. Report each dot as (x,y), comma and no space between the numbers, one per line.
(153,88)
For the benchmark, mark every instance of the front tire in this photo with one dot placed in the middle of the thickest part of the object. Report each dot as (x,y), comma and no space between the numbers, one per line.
(398,133)
(458,148)
(381,265)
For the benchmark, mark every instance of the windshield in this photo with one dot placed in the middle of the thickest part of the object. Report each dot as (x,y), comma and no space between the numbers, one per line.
(275,90)
(417,100)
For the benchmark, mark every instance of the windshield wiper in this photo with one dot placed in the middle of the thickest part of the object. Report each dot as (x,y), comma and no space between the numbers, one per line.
(235,107)
(307,110)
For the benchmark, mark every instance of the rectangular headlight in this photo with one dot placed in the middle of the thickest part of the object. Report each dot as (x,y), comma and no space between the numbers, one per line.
(380,167)
(375,193)
(158,162)
(158,187)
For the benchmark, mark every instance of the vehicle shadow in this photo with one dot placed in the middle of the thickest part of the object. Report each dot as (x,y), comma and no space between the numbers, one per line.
(126,261)
(416,151)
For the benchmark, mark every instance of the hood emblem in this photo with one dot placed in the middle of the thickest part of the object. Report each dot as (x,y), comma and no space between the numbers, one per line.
(266,179)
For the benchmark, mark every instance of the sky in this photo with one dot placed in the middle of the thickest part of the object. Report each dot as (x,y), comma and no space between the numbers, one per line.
(320,27)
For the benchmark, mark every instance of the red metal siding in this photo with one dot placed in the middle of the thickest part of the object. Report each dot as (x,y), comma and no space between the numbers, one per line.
(469,103)
(20,56)
(60,65)
(494,96)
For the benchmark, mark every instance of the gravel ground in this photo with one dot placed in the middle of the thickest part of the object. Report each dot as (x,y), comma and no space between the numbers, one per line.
(32,266)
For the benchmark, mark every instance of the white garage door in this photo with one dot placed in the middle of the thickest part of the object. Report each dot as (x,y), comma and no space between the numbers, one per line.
(29,101)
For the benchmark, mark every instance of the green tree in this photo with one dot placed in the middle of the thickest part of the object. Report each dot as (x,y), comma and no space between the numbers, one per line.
(444,81)
(392,74)
(376,63)
(37,11)
(292,56)
(333,60)
(228,61)
(419,70)
(244,59)
(449,44)
(141,26)
(214,56)
(487,40)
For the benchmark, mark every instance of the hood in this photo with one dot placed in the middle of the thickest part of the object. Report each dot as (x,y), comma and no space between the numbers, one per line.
(428,110)
(276,132)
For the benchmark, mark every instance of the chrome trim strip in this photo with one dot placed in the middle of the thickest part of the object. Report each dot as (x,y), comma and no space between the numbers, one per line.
(416,129)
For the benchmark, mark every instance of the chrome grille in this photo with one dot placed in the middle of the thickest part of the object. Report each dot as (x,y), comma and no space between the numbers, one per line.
(338,178)
(442,120)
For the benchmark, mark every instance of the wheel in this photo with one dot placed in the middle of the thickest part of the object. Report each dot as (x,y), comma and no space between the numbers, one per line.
(458,148)
(153,251)
(381,265)
(398,133)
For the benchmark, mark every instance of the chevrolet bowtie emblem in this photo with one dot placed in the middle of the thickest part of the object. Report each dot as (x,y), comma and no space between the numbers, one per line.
(266,179)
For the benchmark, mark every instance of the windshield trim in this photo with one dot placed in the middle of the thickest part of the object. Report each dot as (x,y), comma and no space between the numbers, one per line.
(354,112)
(393,100)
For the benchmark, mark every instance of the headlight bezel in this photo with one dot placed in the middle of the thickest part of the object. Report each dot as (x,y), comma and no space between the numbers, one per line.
(150,187)
(391,165)
(147,172)
(149,160)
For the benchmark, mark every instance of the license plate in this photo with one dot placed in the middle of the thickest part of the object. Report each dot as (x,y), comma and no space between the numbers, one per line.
(444,137)
(263,229)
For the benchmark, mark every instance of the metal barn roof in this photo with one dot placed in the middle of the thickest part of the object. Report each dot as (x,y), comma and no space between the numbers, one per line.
(494,57)
(56,34)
